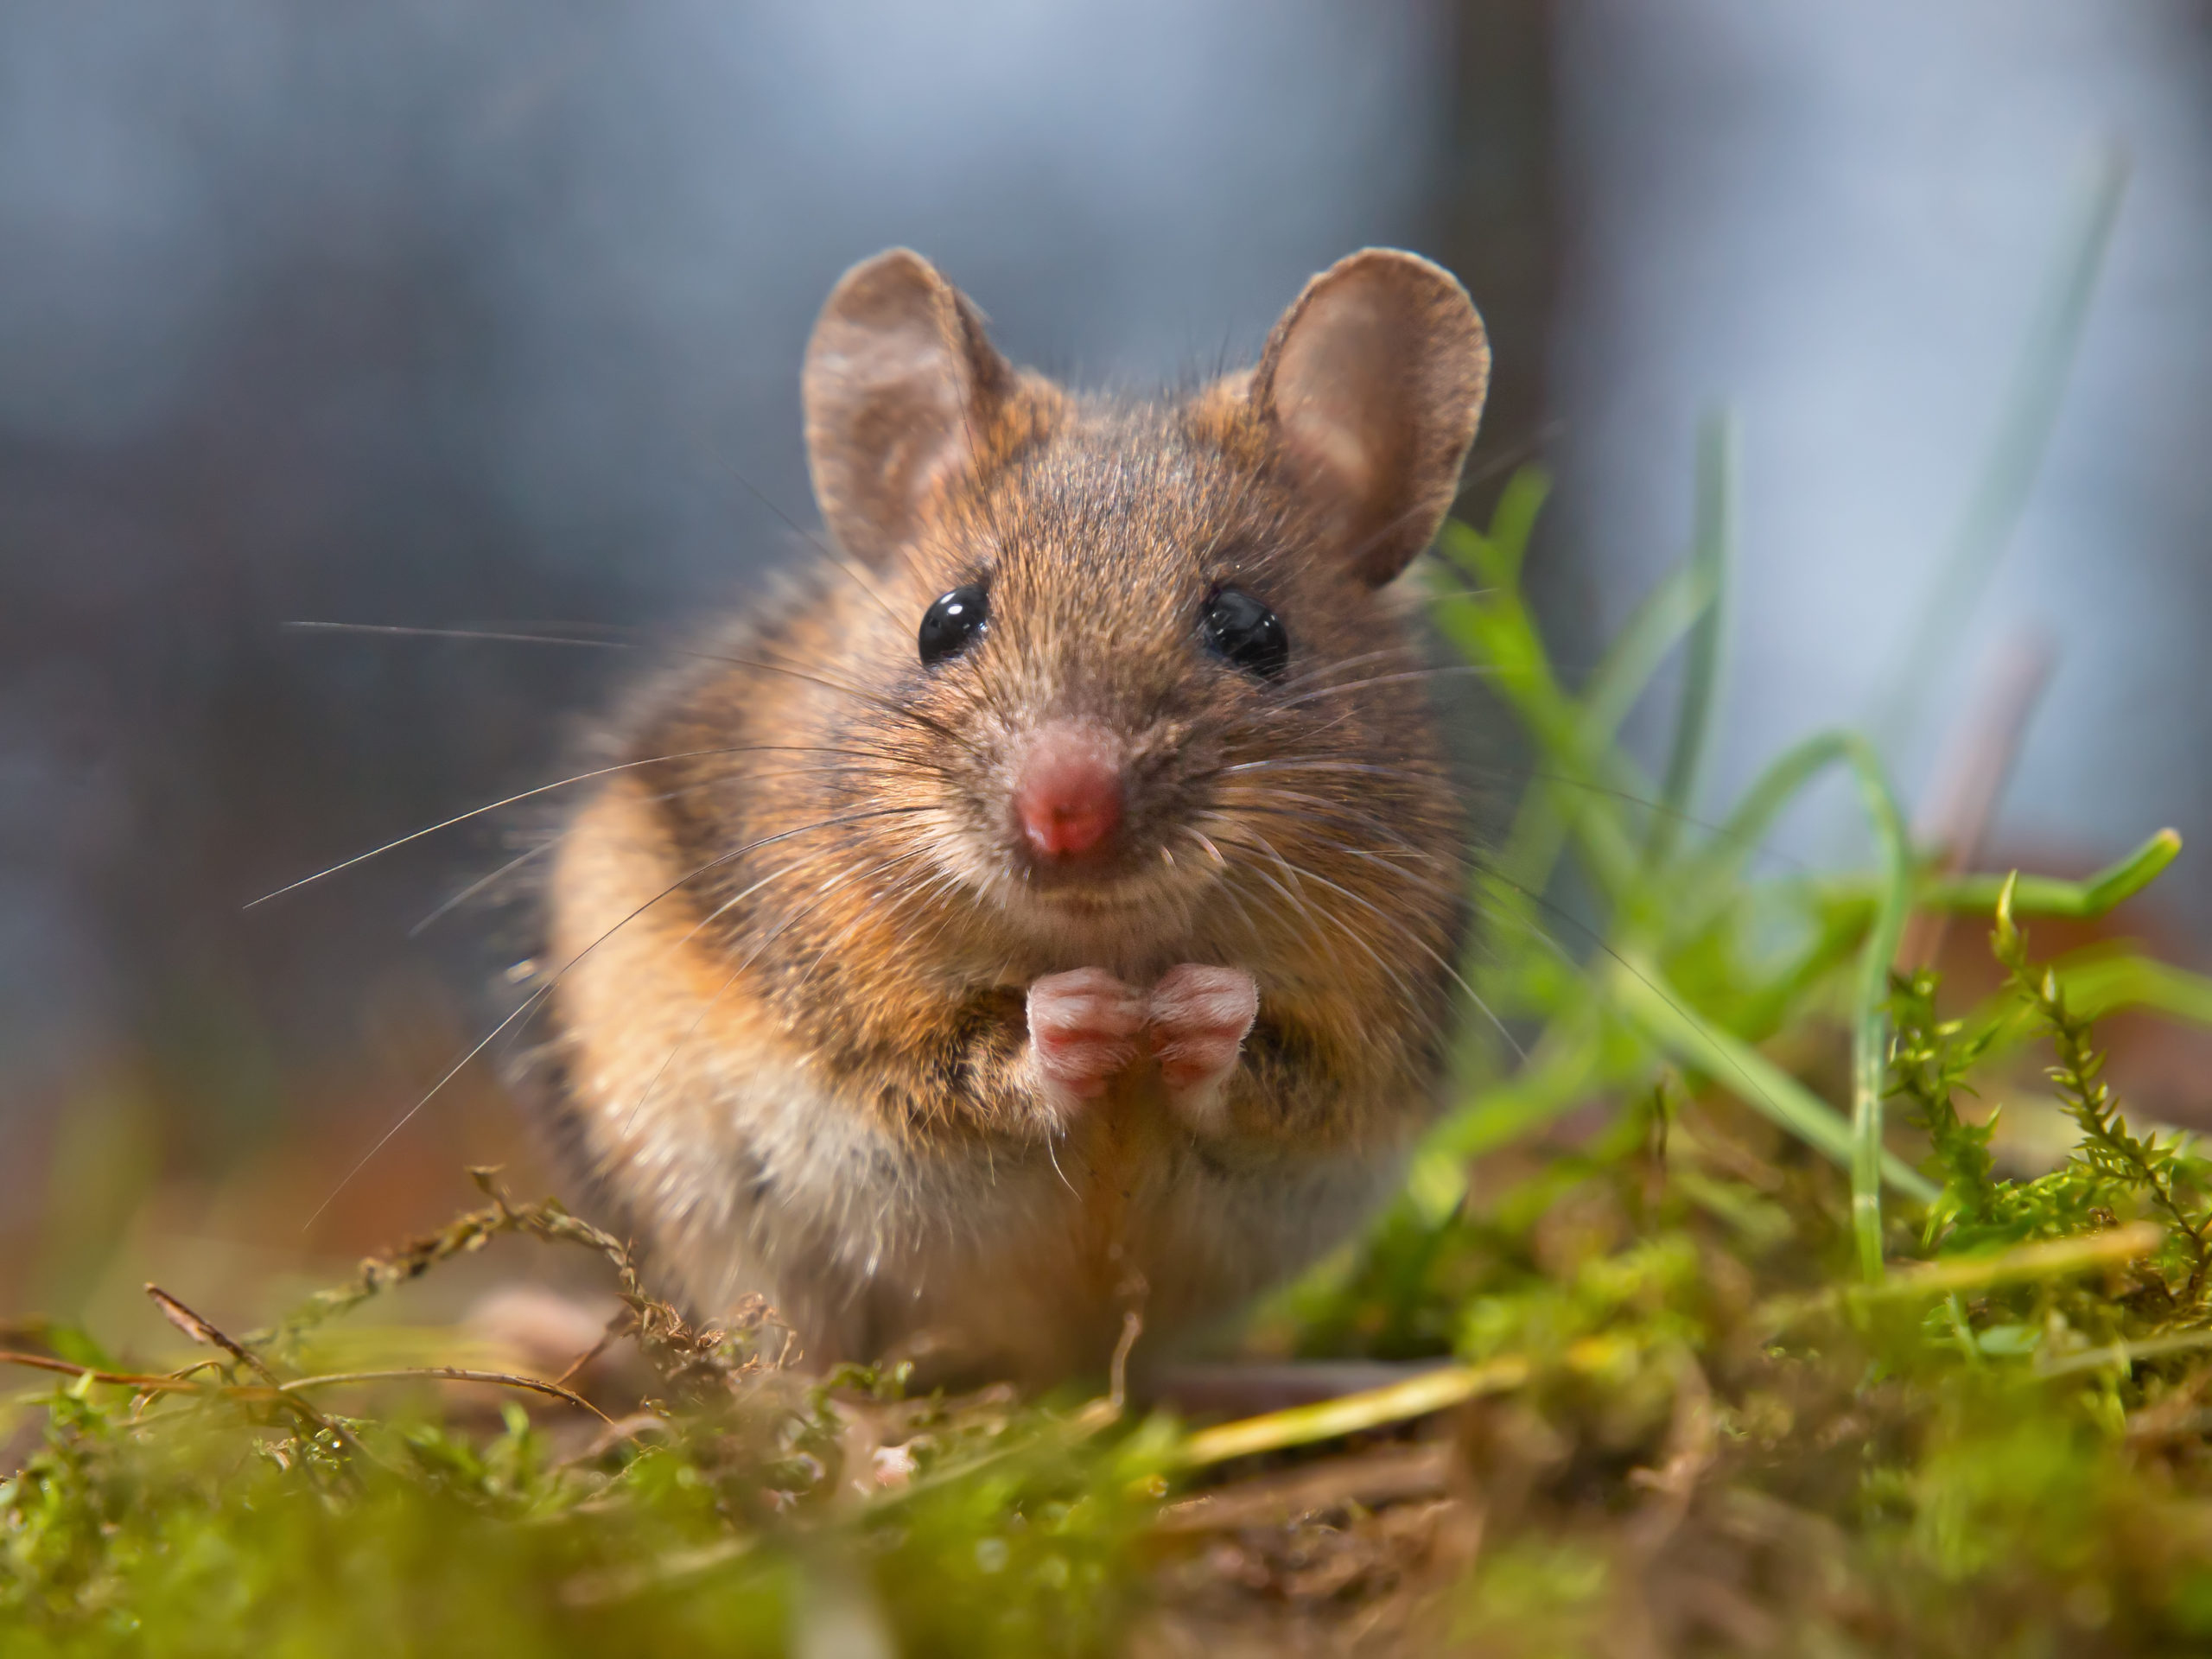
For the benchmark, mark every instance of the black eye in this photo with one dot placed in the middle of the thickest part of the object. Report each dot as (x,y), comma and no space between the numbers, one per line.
(1238,627)
(951,625)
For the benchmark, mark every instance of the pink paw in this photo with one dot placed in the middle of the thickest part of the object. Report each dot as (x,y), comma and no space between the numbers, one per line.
(1200,1017)
(1083,1029)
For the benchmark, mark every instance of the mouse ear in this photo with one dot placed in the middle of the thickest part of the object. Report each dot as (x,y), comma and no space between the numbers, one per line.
(899,381)
(1374,382)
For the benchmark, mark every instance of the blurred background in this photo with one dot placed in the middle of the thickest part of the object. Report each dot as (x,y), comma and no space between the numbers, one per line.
(471,313)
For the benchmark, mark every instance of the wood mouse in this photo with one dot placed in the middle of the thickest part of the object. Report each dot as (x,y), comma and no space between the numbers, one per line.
(1047,905)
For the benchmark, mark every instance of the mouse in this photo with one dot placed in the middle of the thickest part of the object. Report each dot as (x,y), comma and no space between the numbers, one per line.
(1038,910)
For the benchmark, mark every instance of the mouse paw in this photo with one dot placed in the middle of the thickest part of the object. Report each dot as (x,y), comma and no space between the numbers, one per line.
(1083,1029)
(1200,1016)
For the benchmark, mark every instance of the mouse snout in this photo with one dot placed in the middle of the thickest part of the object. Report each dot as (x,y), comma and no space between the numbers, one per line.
(1067,793)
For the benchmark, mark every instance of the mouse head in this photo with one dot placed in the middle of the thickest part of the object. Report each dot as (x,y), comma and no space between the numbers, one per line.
(1141,654)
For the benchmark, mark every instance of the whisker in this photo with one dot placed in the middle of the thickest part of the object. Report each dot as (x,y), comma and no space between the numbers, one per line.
(1298,905)
(545,789)
(1295,872)
(1297,763)
(865,918)
(551,842)
(498,636)
(1398,979)
(1454,891)
(1599,940)
(1321,807)
(1229,891)
(1389,858)
(544,990)
(926,898)
(1341,664)
(1426,950)
(1283,803)
(752,956)
(1382,532)
(478,812)
(1721,832)
(886,704)
(889,706)
(822,543)
(1445,672)
(740,896)
(483,882)
(1413,878)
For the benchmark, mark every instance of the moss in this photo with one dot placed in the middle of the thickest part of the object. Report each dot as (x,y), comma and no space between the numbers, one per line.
(1747,1379)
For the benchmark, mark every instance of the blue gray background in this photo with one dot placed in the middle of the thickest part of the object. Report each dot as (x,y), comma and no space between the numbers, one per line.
(465,313)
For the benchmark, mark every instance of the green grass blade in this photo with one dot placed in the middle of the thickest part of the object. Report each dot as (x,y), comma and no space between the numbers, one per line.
(1675,607)
(2030,409)
(1561,1073)
(1670,1022)
(1774,790)
(1787,777)
(2039,895)
(2104,984)
(1574,735)
(1711,561)
(1438,1389)
(1870,994)
(1494,558)
(1591,785)
(1495,629)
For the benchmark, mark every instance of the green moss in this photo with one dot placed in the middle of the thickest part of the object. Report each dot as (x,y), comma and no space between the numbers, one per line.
(1740,1412)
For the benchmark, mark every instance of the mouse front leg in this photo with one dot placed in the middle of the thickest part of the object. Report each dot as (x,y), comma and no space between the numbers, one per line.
(1083,1029)
(1198,1017)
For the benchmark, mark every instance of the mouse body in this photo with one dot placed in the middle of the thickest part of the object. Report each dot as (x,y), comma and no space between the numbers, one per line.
(1045,906)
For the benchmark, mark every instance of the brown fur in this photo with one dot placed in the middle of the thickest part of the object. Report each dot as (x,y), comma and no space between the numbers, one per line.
(792,1026)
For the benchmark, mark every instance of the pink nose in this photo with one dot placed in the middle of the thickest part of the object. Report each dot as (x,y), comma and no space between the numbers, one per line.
(1068,798)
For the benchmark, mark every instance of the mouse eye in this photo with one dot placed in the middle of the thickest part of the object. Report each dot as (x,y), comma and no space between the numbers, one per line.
(1241,630)
(952,624)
